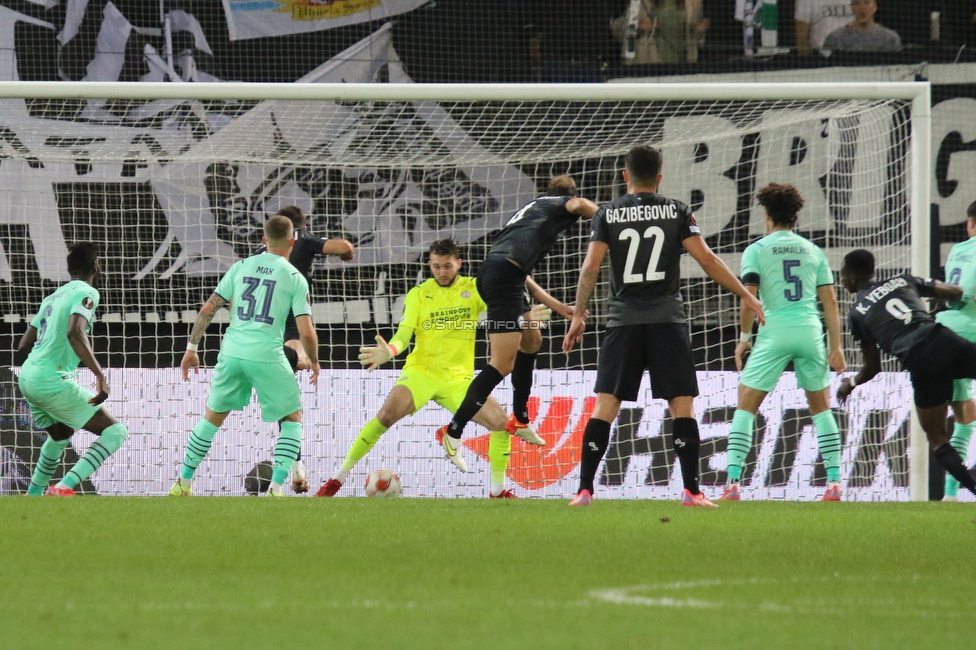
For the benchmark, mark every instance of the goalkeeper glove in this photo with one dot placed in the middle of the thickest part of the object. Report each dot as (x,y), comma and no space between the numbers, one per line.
(539,313)
(378,355)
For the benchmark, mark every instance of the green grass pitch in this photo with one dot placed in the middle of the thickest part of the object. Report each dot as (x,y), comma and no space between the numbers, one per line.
(423,573)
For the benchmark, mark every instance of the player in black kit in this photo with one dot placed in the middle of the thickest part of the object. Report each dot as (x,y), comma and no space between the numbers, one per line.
(502,280)
(307,247)
(892,316)
(645,234)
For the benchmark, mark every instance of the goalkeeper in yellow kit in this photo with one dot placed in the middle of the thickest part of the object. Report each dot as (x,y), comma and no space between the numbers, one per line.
(442,313)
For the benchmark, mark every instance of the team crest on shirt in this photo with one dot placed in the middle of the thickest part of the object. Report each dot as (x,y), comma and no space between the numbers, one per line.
(465,294)
(87,303)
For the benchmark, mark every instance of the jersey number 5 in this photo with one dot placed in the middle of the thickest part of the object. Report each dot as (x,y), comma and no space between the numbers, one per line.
(246,310)
(656,235)
(43,328)
(796,293)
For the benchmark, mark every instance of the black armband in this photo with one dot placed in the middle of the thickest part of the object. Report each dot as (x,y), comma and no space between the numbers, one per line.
(751,279)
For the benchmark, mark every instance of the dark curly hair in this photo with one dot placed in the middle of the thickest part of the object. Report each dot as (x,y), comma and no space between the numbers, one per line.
(782,202)
(81,258)
(446,248)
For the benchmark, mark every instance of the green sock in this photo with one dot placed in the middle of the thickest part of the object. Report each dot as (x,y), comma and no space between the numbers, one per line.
(47,463)
(368,436)
(961,433)
(286,450)
(828,442)
(106,445)
(197,447)
(740,442)
(499,451)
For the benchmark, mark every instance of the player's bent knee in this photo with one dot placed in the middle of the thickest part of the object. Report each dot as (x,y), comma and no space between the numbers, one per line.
(60,432)
(531,341)
(113,436)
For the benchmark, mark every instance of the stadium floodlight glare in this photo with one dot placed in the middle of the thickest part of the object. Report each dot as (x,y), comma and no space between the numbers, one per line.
(175,179)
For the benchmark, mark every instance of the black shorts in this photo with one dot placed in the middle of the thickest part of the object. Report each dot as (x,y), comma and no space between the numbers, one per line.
(663,349)
(936,362)
(291,328)
(501,285)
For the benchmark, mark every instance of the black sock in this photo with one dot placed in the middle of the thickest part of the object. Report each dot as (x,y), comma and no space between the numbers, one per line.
(686,445)
(474,399)
(950,459)
(596,438)
(522,384)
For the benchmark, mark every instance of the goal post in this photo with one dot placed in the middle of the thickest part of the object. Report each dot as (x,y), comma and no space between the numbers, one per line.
(173,181)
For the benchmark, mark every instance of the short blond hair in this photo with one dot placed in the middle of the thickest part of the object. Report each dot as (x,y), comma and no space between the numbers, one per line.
(278,231)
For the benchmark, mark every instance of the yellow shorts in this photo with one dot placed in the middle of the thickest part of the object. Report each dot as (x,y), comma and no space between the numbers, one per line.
(448,394)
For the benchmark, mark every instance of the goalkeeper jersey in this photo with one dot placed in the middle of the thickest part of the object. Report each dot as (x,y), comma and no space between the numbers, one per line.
(261,290)
(788,269)
(961,269)
(52,356)
(444,322)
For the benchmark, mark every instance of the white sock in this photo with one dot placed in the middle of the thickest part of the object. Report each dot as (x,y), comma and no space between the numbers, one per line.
(61,486)
(298,471)
(497,488)
(341,474)
(275,488)
(185,482)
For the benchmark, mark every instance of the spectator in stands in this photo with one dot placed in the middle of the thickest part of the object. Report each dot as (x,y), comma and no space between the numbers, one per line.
(959,22)
(661,31)
(863,34)
(815,19)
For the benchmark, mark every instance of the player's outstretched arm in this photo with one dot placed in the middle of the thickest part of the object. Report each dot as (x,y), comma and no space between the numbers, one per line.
(835,353)
(339,247)
(716,269)
(589,274)
(947,292)
(374,356)
(540,295)
(583,207)
(204,316)
(871,367)
(78,339)
(310,343)
(746,319)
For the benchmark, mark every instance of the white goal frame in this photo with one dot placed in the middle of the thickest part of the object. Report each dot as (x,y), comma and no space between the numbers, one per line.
(919,93)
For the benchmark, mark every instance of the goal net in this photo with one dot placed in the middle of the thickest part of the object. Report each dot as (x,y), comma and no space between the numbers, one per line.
(175,190)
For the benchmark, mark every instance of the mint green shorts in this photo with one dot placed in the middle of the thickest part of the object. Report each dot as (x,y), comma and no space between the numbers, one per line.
(804,346)
(58,400)
(962,390)
(274,382)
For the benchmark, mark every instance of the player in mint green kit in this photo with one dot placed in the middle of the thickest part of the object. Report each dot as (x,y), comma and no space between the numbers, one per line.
(58,341)
(789,273)
(961,269)
(261,290)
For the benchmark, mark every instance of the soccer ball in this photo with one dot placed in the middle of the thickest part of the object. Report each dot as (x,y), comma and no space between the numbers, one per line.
(382,483)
